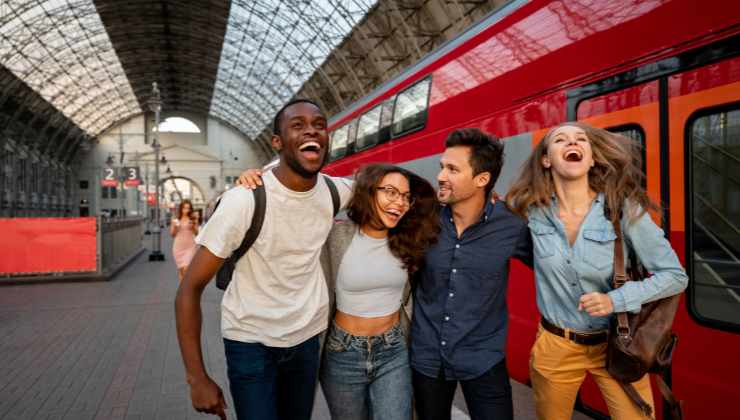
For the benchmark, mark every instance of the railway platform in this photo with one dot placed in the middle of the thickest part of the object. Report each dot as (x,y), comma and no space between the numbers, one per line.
(108,350)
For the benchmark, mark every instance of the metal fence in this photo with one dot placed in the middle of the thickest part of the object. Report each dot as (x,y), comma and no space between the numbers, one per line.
(118,242)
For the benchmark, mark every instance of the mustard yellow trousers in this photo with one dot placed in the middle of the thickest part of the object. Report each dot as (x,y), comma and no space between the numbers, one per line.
(558,366)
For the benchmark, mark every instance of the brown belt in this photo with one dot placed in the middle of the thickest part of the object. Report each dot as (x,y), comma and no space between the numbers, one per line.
(590,339)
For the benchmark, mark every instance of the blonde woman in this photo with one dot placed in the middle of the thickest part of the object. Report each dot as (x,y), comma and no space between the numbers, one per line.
(578,180)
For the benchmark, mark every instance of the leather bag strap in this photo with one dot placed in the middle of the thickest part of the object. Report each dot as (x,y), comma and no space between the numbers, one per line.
(620,277)
(674,405)
(637,399)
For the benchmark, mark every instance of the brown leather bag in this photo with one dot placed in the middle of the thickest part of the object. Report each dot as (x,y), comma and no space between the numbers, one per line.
(641,343)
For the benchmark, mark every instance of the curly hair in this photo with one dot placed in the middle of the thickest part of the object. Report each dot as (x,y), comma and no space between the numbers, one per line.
(617,173)
(418,228)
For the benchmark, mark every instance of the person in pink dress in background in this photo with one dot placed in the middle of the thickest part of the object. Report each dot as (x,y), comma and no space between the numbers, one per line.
(183,229)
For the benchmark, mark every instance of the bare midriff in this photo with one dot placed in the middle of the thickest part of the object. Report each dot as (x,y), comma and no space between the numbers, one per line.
(361,326)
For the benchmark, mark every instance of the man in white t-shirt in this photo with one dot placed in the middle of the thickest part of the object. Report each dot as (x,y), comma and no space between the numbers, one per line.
(277,302)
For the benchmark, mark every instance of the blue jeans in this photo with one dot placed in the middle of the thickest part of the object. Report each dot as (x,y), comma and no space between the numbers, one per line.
(367,377)
(271,383)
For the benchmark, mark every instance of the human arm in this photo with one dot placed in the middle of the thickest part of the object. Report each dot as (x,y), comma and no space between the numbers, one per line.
(667,277)
(218,239)
(174,226)
(251,178)
(345,187)
(205,394)
(523,251)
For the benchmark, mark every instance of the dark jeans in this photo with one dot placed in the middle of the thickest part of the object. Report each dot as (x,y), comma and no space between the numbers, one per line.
(271,383)
(487,396)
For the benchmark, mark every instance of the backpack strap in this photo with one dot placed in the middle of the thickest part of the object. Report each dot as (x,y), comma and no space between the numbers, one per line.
(224,275)
(334,194)
(258,217)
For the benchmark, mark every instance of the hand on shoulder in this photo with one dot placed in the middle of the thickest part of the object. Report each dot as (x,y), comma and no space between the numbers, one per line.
(251,178)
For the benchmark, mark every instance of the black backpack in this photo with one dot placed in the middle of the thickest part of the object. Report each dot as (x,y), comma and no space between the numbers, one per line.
(223,277)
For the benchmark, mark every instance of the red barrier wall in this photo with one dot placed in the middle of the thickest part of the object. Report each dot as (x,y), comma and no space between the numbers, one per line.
(47,245)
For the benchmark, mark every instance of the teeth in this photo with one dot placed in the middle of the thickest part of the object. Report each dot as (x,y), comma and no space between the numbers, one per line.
(306,145)
(570,153)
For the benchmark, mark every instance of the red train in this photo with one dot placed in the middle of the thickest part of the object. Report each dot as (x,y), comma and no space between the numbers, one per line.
(666,72)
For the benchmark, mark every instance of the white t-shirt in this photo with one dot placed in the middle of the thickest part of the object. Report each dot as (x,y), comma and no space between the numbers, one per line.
(278,294)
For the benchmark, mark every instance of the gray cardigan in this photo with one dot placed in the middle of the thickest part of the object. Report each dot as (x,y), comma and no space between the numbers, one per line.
(331,256)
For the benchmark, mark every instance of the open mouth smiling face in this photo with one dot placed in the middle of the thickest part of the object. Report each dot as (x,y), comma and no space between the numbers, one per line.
(311,150)
(393,215)
(569,152)
(573,155)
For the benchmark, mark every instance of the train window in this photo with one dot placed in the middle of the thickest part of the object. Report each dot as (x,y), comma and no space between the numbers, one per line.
(368,129)
(410,109)
(714,212)
(386,117)
(339,139)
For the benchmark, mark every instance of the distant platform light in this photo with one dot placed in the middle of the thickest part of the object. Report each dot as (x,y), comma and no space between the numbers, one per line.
(177,125)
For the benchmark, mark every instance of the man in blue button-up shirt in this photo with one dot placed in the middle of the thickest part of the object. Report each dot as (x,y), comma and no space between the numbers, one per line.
(460,318)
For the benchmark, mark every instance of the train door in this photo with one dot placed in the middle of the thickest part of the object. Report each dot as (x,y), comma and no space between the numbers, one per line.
(704,143)
(634,112)
(689,125)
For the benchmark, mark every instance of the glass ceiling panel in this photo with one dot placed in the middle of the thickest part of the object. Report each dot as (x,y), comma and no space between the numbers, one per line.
(270,49)
(61,49)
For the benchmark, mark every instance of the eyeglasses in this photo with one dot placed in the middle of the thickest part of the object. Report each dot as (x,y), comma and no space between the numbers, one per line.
(392,194)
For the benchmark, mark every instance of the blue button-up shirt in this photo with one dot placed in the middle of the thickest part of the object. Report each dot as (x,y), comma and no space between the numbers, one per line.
(460,316)
(563,273)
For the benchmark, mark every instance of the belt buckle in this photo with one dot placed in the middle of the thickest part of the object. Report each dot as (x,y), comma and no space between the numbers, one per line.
(572,336)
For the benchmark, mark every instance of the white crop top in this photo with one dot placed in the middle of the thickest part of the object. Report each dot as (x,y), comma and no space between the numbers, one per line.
(370,280)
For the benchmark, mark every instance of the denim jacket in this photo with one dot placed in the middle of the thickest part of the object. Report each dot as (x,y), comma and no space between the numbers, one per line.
(563,272)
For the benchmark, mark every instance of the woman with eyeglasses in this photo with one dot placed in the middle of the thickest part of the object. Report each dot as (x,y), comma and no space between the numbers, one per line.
(392,221)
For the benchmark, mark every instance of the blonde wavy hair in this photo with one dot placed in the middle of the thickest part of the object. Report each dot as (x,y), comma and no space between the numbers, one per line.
(617,173)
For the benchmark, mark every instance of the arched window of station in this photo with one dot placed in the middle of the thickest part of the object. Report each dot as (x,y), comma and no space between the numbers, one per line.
(177,125)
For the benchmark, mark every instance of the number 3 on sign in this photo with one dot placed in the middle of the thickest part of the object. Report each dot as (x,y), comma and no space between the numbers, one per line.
(132,176)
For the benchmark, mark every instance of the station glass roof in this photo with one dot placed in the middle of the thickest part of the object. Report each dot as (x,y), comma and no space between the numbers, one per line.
(95,60)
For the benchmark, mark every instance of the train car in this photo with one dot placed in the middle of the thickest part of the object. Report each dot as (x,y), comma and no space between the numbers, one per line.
(666,72)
